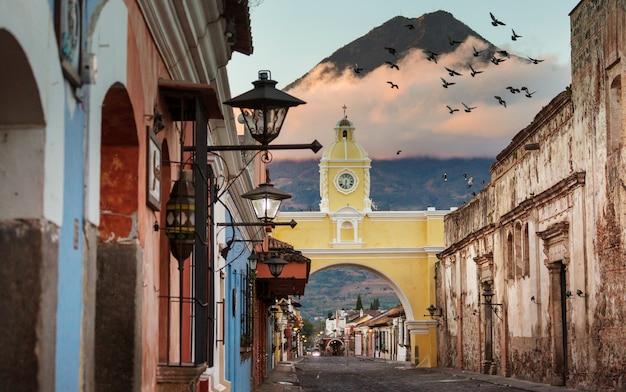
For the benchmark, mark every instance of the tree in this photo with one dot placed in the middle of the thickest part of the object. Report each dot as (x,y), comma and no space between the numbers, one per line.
(359,303)
(307,328)
(375,304)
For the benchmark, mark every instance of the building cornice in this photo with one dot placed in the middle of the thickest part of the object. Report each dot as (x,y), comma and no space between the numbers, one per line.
(373,251)
(562,187)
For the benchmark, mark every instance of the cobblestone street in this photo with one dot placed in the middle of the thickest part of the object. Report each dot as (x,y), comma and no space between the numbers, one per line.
(332,374)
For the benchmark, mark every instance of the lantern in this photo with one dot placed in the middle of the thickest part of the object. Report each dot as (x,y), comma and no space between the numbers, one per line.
(180,217)
(275,265)
(266,200)
(264,108)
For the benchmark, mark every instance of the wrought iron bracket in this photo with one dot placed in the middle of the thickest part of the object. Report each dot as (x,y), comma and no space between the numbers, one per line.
(315,146)
(292,223)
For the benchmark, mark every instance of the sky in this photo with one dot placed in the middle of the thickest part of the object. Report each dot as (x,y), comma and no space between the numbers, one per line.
(291,36)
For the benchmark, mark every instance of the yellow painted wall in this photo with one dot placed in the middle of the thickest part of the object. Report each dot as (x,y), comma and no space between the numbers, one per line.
(400,246)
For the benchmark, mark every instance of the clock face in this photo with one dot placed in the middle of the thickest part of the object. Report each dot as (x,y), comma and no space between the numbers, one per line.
(346,181)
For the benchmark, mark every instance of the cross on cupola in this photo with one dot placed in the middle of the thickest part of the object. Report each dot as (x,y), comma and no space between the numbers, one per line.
(344,107)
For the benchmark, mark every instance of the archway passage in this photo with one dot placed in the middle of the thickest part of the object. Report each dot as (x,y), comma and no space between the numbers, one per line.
(28,277)
(118,252)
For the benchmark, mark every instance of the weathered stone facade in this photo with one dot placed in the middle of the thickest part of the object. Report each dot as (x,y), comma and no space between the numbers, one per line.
(546,235)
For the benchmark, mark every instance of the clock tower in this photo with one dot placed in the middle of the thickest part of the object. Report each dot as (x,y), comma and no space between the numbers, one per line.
(345,173)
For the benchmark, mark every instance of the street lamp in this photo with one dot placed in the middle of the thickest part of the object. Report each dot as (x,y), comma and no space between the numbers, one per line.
(266,200)
(264,108)
(180,217)
(275,265)
(253,259)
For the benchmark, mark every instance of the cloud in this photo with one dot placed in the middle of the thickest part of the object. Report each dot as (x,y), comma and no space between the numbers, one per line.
(414,118)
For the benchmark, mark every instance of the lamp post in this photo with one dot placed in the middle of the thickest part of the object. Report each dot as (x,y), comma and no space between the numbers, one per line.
(264,109)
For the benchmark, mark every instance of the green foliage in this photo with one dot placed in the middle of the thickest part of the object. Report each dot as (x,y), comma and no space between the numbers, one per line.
(307,328)
(375,304)
(359,303)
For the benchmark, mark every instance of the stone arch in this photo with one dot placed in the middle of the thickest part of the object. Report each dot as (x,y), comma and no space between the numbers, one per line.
(118,292)
(29,241)
(398,291)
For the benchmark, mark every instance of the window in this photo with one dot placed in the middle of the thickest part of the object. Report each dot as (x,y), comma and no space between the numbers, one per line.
(614,116)
(510,266)
(347,231)
(246,287)
(526,250)
(519,259)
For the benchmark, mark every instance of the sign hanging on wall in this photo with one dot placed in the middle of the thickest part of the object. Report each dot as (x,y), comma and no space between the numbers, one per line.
(153,171)
(68,21)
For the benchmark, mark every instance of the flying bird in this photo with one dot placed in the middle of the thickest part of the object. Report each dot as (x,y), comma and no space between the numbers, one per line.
(529,94)
(398,152)
(452,72)
(470,182)
(467,109)
(477,52)
(474,72)
(391,50)
(496,60)
(393,85)
(515,36)
(451,110)
(392,65)
(357,69)
(432,56)
(495,22)
(453,42)
(446,83)
(465,176)
(500,100)
(503,53)
(513,90)
(409,26)
(445,175)
(534,61)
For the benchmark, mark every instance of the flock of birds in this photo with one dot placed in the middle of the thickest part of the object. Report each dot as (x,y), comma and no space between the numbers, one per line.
(502,56)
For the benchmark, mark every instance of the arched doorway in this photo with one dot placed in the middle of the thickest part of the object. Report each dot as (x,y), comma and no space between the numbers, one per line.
(117,340)
(28,277)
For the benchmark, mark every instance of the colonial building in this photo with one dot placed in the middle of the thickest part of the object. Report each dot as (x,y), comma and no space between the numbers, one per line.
(400,246)
(531,283)
(104,104)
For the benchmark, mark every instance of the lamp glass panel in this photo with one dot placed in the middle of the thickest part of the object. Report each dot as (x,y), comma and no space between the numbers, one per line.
(276,269)
(266,208)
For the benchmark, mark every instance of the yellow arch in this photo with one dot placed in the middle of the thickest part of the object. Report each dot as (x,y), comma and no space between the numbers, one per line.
(317,266)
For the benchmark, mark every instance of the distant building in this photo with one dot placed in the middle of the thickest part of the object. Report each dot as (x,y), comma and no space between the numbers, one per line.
(532,281)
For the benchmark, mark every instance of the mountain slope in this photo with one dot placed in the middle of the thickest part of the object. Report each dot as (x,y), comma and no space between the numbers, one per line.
(431,32)
(399,184)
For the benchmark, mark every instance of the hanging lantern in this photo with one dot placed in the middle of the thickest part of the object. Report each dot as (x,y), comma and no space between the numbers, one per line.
(264,108)
(275,265)
(266,200)
(180,217)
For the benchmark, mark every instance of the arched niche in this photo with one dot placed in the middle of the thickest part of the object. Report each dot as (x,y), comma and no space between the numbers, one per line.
(118,292)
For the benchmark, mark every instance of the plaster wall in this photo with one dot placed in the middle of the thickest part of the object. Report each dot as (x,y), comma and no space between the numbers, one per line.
(575,177)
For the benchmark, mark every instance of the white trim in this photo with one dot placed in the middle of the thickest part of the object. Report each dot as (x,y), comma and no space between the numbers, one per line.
(343,161)
(373,251)
(108,43)
(302,215)
(31,24)
(407,214)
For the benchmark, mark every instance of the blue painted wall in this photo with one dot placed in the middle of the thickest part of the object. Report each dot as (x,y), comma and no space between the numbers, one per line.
(238,364)
(71,242)
(70,269)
